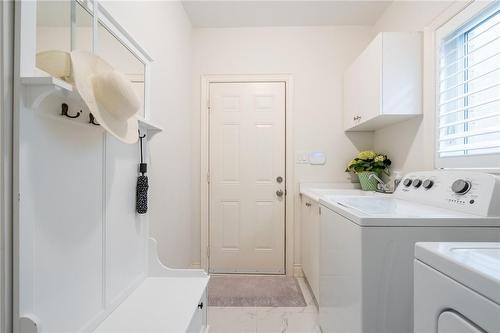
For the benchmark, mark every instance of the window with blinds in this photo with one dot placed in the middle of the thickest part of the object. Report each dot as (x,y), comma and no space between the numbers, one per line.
(469,89)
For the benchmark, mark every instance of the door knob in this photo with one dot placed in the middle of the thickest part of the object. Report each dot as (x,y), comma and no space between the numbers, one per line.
(279,179)
(279,193)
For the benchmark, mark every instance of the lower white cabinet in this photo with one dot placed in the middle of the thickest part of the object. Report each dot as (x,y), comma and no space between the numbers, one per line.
(310,219)
(199,321)
(162,305)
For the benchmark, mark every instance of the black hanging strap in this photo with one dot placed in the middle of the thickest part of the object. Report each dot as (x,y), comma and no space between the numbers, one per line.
(143,167)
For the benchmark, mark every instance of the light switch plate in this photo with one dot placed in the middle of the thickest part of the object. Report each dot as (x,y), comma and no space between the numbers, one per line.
(301,157)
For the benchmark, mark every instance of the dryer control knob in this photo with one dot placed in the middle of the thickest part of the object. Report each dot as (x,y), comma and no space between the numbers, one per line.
(461,186)
(416,183)
(407,182)
(428,184)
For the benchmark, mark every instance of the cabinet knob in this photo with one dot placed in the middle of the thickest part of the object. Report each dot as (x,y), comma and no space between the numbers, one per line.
(308,204)
(200,306)
(357,118)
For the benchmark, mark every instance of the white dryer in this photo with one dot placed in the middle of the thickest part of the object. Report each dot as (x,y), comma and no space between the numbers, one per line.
(457,287)
(367,245)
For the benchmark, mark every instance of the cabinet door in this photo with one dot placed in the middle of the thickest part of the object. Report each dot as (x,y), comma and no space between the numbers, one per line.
(314,229)
(402,73)
(305,236)
(310,243)
(362,85)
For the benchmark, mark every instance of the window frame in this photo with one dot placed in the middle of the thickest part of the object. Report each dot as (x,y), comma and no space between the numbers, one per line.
(454,24)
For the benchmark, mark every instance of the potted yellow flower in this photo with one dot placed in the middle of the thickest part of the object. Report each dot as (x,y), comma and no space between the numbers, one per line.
(368,163)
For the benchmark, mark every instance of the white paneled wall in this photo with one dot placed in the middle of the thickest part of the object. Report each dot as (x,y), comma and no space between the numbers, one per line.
(82,244)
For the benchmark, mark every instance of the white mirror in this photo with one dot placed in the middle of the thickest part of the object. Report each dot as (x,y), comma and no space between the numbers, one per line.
(111,49)
(69,25)
(82,28)
(53,31)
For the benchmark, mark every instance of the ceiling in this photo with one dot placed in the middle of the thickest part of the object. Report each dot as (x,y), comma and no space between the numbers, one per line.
(241,13)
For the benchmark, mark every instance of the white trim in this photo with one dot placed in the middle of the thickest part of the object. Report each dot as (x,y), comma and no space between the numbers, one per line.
(24,63)
(122,34)
(6,98)
(456,16)
(297,271)
(195,265)
(204,159)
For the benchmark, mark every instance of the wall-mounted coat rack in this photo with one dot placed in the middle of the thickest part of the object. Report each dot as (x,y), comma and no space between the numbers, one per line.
(65,109)
(92,120)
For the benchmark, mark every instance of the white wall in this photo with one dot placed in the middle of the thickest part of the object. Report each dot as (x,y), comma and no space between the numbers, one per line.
(410,144)
(316,58)
(164,30)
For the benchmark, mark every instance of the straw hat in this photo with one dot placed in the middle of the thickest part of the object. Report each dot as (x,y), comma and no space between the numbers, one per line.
(109,96)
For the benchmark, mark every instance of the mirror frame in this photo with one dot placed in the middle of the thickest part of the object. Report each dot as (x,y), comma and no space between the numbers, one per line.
(110,23)
(99,15)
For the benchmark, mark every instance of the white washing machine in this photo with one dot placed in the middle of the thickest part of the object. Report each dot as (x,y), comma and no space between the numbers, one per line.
(457,287)
(367,244)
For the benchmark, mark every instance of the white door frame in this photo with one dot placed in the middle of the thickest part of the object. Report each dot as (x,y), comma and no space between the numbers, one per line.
(204,158)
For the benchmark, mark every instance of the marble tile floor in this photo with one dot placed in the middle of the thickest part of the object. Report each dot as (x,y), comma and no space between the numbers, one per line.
(266,319)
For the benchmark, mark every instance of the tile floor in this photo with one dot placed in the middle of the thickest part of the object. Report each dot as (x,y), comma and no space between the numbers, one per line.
(266,319)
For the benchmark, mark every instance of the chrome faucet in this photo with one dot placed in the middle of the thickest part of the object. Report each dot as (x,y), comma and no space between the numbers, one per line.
(381,186)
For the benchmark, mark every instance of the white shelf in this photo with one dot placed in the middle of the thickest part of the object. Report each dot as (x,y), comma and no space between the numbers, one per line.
(150,127)
(37,88)
(46,81)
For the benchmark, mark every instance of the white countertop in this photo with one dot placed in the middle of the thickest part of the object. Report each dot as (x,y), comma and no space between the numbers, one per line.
(159,304)
(476,265)
(316,190)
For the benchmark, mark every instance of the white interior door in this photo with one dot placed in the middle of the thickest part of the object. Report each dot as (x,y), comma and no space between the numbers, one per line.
(247,177)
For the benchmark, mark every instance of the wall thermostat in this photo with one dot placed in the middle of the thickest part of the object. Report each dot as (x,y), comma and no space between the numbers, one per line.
(317,158)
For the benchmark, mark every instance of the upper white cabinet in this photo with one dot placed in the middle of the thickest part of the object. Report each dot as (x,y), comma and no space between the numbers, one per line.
(384,84)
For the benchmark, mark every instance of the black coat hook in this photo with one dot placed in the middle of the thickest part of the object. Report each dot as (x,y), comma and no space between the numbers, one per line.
(92,120)
(64,111)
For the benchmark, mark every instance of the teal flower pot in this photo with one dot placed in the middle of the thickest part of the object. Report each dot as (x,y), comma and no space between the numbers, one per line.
(367,183)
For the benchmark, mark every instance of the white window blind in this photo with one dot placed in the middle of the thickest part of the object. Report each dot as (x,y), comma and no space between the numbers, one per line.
(469,90)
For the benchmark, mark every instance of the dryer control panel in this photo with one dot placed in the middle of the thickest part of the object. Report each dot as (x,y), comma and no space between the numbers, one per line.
(469,192)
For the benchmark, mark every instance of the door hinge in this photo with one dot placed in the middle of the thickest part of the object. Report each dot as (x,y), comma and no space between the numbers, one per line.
(319,210)
(208,251)
(208,177)
(208,104)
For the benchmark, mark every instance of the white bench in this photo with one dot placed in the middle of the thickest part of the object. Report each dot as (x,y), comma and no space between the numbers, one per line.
(168,300)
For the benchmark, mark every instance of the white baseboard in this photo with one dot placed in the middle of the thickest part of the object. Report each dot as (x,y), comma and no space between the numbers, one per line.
(297,270)
(195,265)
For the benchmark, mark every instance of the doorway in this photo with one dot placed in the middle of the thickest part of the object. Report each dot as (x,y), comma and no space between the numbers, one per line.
(247,177)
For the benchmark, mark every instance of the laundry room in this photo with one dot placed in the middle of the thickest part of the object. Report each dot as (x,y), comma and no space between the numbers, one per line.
(250,166)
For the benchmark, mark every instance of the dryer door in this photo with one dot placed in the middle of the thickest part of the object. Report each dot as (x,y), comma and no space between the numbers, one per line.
(452,322)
